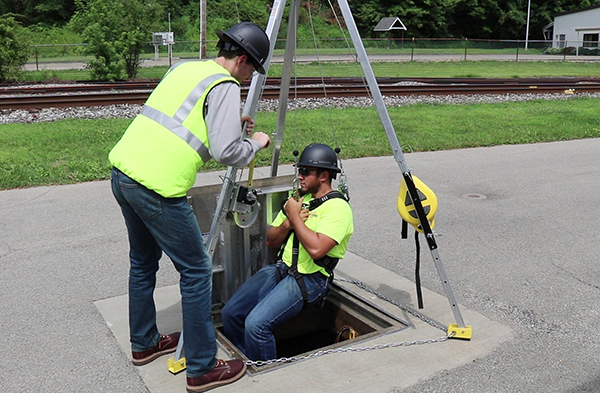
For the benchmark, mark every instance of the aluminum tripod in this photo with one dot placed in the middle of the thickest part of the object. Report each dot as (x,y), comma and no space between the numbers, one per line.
(458,330)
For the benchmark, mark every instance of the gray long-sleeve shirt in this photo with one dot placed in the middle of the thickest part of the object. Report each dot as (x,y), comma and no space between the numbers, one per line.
(225,129)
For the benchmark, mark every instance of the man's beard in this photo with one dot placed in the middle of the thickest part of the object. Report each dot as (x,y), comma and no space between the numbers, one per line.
(312,191)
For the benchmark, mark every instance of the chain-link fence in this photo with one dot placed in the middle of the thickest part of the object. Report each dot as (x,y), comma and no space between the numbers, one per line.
(399,49)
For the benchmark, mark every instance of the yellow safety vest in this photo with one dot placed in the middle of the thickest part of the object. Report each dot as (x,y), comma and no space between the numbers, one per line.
(166,144)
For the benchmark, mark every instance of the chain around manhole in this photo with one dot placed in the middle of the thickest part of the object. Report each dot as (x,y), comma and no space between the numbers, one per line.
(474,196)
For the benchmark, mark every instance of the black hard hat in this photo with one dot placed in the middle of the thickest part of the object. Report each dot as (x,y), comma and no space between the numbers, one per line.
(251,38)
(319,155)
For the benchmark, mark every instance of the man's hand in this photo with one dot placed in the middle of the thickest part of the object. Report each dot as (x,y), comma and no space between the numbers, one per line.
(294,207)
(263,138)
(249,123)
(277,235)
(304,213)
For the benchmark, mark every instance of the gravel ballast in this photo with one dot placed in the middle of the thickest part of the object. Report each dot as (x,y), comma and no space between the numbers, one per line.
(130,111)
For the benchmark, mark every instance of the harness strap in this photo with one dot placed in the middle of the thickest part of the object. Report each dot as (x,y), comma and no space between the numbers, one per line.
(319,201)
(294,269)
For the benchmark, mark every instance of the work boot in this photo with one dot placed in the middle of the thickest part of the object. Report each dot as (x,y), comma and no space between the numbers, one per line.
(166,344)
(224,372)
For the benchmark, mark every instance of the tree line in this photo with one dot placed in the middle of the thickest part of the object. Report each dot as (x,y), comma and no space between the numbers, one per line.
(116,30)
(486,19)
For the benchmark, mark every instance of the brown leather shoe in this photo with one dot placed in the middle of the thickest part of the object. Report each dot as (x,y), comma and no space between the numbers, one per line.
(167,344)
(224,372)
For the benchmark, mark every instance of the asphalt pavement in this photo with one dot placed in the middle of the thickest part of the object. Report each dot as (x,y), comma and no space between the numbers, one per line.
(517,230)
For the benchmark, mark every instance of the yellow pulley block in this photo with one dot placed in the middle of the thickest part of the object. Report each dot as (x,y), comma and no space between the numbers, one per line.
(406,208)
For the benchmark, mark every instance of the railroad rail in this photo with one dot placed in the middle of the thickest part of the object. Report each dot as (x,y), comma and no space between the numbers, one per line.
(32,97)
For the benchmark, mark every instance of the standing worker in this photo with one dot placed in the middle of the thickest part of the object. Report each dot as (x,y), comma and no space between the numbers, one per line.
(193,115)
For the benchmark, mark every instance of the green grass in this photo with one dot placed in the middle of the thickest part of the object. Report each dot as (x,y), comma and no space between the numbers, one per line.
(425,127)
(71,151)
(451,69)
(67,151)
(446,69)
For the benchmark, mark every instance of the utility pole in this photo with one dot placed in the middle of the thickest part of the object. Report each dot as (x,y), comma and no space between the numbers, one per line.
(202,52)
(170,43)
(527,29)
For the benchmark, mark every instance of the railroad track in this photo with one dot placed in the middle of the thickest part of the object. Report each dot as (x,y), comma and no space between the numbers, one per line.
(32,97)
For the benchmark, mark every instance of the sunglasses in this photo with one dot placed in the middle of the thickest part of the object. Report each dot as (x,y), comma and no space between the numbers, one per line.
(305,171)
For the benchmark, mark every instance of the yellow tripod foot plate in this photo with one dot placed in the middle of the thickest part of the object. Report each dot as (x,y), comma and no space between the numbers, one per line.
(176,366)
(464,333)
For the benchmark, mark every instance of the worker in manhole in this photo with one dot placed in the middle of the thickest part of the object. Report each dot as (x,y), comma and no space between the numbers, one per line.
(192,116)
(311,234)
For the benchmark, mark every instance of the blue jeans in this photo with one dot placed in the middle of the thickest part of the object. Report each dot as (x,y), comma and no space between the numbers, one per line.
(262,303)
(156,224)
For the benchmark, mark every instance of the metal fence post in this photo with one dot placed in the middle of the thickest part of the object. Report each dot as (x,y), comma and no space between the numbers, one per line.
(517,58)
(412,49)
(466,45)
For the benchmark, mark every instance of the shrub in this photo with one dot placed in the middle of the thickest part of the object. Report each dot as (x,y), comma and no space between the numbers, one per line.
(14,50)
(553,51)
(589,51)
(115,32)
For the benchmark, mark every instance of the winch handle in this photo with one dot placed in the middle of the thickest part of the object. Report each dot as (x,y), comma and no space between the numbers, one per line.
(250,173)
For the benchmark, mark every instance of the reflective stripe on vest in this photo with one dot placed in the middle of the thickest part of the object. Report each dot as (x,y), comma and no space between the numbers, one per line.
(175,123)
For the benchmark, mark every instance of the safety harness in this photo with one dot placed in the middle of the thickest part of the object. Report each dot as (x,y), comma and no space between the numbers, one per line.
(327,262)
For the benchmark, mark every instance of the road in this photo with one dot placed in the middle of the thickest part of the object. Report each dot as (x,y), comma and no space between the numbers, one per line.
(164,61)
(518,230)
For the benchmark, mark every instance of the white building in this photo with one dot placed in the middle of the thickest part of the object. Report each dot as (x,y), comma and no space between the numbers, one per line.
(577,28)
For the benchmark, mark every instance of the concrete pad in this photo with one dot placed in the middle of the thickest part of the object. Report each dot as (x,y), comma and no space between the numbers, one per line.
(402,364)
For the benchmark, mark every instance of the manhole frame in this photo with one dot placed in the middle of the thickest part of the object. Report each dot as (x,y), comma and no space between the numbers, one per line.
(366,309)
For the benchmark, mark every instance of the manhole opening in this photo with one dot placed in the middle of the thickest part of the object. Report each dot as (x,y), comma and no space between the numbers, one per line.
(328,327)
